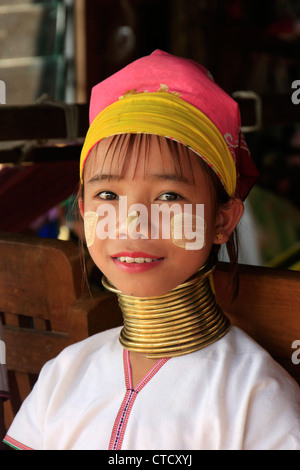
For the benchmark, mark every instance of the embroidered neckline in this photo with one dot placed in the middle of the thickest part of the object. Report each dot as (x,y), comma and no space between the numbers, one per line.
(131,393)
(146,379)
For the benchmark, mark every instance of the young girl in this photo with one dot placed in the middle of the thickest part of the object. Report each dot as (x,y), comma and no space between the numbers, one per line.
(164,170)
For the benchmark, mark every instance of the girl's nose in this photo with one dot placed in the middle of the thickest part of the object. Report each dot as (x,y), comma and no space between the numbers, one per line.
(134,220)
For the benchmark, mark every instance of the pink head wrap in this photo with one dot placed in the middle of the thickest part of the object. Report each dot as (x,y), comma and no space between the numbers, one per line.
(193,84)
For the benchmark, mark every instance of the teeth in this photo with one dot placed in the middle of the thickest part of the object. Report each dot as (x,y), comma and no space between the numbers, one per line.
(128,259)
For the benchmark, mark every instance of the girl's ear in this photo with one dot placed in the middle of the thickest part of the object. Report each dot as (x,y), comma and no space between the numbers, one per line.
(227,219)
(81,206)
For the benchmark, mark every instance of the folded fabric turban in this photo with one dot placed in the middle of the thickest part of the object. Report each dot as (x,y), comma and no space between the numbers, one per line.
(176,98)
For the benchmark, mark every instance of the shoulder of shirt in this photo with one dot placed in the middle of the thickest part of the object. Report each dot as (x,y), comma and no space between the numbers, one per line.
(237,347)
(239,342)
(86,348)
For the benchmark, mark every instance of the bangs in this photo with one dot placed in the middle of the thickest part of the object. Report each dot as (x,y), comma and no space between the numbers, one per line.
(117,151)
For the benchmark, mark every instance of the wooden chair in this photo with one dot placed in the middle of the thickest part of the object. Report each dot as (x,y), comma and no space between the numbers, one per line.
(44,307)
(267,308)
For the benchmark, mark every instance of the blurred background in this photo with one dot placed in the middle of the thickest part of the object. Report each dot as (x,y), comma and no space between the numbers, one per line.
(56,51)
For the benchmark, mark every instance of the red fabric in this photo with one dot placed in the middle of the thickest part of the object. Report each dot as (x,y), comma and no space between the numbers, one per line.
(30,191)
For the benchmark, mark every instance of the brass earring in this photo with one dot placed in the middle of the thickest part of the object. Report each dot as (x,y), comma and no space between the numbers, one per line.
(220,236)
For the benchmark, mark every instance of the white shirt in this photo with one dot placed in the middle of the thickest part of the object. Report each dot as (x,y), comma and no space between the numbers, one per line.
(229,395)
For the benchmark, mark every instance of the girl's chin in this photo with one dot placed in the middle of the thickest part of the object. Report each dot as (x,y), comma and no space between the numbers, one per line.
(135,291)
(146,288)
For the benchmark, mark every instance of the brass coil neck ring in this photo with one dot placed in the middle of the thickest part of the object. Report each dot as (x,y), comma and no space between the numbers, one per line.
(183,320)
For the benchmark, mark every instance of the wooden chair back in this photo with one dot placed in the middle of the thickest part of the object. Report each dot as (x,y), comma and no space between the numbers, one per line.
(267,308)
(44,307)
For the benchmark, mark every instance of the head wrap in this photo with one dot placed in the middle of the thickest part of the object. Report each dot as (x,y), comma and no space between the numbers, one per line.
(175,98)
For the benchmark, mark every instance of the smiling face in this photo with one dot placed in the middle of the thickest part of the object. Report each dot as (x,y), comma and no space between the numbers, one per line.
(149,174)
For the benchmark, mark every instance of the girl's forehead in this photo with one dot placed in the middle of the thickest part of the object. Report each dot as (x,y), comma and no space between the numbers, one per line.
(140,154)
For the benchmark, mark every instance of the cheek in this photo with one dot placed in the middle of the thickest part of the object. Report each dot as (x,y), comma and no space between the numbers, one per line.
(90,224)
(188,231)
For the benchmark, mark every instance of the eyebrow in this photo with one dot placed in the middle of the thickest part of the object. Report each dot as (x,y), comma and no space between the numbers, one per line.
(171,177)
(165,176)
(97,178)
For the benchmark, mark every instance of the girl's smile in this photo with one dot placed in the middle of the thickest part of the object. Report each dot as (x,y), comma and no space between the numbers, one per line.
(136,262)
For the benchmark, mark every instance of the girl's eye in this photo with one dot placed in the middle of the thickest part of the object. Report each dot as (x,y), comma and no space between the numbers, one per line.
(169,197)
(107,195)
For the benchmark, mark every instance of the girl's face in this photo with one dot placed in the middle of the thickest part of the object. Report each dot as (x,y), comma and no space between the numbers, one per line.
(141,265)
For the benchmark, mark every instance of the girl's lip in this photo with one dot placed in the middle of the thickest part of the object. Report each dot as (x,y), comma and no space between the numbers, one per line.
(135,268)
(135,254)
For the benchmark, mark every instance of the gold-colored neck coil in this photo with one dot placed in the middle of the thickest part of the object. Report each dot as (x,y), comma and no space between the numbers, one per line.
(179,322)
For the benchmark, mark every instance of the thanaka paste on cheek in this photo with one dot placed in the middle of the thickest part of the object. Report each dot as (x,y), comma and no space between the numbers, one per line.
(90,224)
(132,223)
(188,231)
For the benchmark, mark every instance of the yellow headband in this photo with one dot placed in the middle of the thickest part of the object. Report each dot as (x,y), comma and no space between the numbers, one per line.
(166,115)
